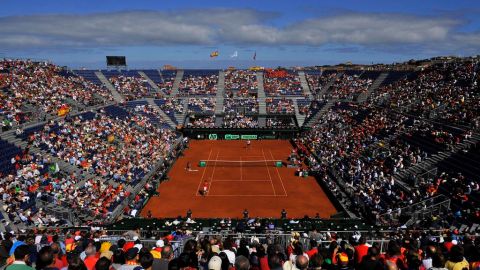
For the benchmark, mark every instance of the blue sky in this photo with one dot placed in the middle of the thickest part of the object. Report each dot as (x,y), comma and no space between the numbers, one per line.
(183,33)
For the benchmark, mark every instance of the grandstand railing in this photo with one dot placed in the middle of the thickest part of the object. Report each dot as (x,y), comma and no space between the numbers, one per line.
(428,173)
(60,211)
(177,245)
(281,239)
(437,205)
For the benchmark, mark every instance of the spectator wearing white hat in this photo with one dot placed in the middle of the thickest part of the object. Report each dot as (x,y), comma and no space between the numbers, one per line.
(156,251)
(215,263)
(166,256)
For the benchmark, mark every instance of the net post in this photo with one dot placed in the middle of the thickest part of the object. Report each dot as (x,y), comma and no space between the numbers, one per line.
(202,164)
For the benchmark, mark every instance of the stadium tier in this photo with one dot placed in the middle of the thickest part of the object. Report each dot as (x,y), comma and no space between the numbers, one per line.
(306,162)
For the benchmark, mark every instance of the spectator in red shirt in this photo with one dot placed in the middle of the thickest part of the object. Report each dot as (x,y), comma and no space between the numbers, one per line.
(91,258)
(313,250)
(361,249)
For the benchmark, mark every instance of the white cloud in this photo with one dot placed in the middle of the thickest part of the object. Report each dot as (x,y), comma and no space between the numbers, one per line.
(229,26)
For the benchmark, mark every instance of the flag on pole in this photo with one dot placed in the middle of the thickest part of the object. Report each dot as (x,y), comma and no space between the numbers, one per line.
(255,55)
(54,168)
(63,110)
(214,54)
(234,55)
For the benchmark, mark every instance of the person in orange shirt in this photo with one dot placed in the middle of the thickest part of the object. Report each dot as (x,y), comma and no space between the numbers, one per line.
(60,259)
(91,258)
(313,248)
(361,249)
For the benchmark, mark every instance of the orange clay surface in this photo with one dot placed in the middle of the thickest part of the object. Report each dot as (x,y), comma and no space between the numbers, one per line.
(262,188)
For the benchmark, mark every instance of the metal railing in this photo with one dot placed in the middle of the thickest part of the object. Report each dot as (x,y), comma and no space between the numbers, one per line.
(436,205)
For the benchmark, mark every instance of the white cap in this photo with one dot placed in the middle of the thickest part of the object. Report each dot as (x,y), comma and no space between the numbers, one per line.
(135,238)
(160,243)
(138,246)
(215,263)
(77,237)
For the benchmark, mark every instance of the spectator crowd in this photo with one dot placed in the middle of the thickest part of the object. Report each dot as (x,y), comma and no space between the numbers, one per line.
(97,250)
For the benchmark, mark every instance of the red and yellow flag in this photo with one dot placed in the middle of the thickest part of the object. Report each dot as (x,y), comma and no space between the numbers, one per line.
(63,110)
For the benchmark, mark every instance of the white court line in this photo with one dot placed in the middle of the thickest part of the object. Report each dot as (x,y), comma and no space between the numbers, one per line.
(247,195)
(268,170)
(248,180)
(209,189)
(281,181)
(201,179)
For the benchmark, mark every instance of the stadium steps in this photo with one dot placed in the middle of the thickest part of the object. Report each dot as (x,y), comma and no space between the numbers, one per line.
(378,81)
(433,160)
(181,116)
(150,82)
(74,105)
(345,195)
(176,83)
(218,121)
(262,106)
(163,115)
(116,96)
(64,166)
(99,98)
(327,86)
(220,93)
(304,83)
(262,122)
(300,117)
(4,219)
(314,119)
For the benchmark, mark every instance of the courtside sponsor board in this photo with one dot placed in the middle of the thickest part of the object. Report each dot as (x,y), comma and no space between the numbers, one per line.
(232,137)
(248,137)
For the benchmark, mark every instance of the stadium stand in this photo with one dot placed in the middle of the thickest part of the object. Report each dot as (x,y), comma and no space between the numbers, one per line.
(199,82)
(396,151)
(282,83)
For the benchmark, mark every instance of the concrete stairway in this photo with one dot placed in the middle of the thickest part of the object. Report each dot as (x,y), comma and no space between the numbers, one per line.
(325,88)
(378,81)
(150,82)
(163,115)
(218,121)
(431,161)
(74,105)
(176,83)
(181,116)
(3,226)
(262,106)
(63,165)
(300,117)
(262,122)
(304,83)
(319,114)
(220,91)
(116,96)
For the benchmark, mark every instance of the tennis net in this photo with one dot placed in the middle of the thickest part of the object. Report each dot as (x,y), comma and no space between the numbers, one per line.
(240,163)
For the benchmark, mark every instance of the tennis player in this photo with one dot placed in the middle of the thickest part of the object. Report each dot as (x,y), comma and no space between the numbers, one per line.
(188,167)
(205,188)
(248,144)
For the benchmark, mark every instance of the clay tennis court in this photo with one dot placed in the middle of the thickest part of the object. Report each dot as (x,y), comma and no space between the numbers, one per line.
(242,177)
